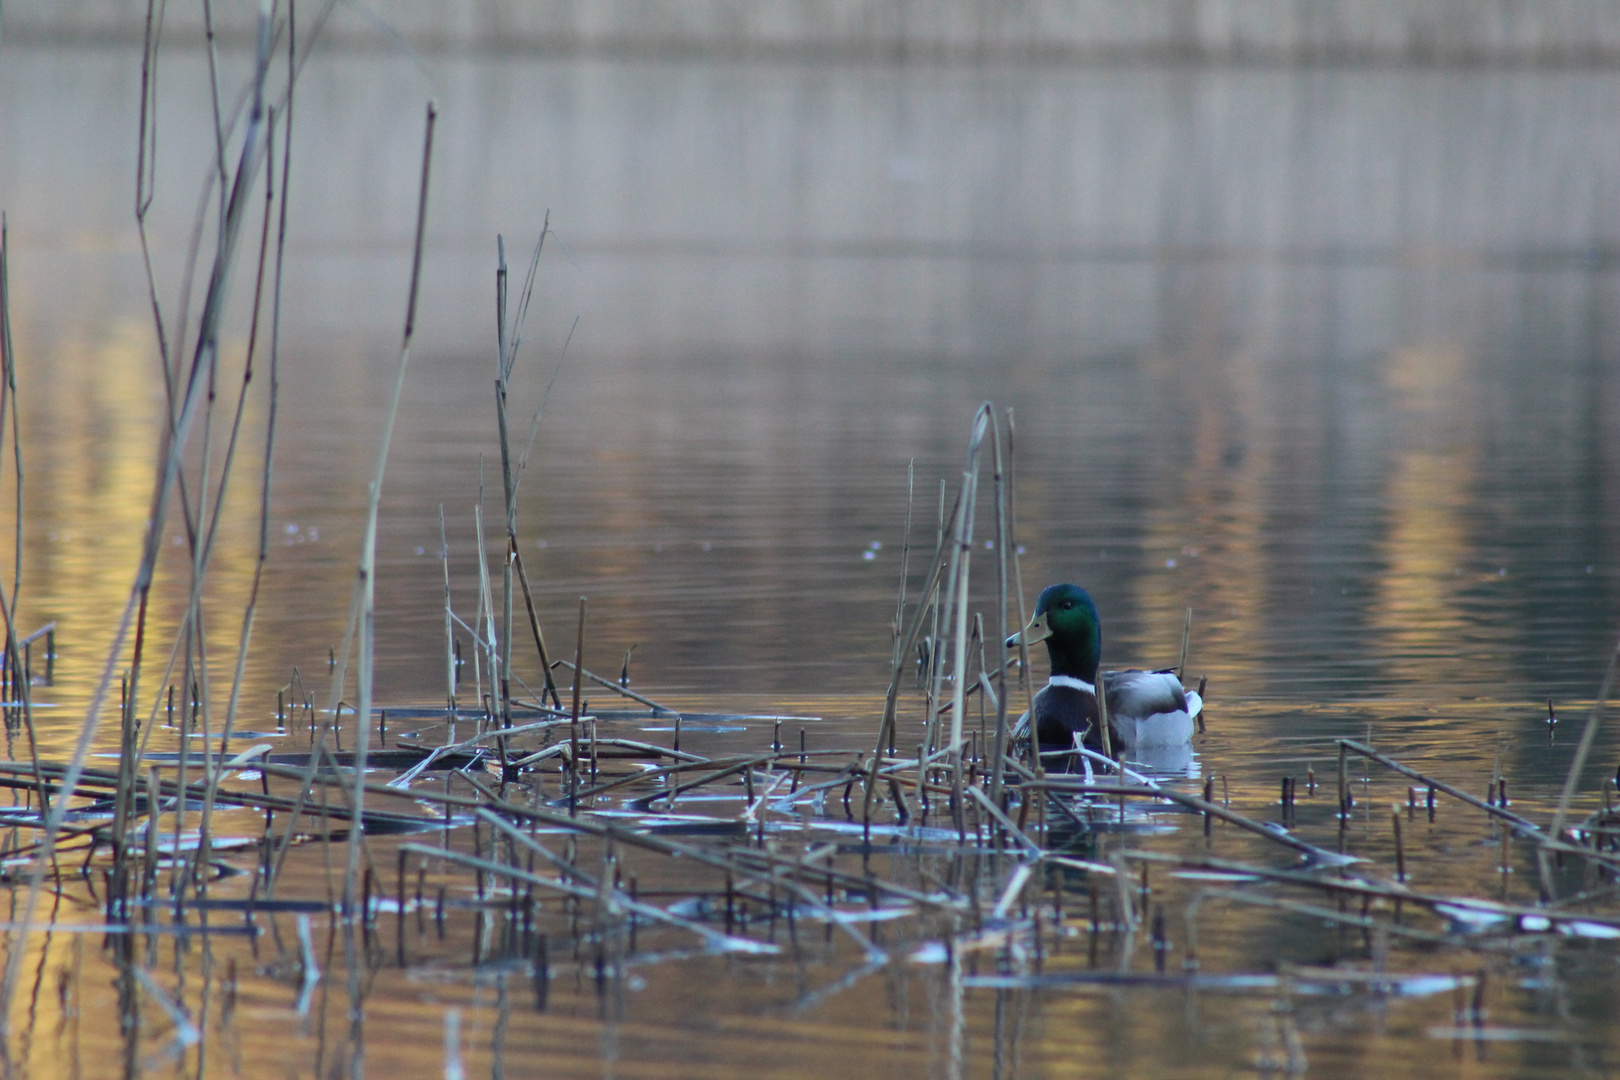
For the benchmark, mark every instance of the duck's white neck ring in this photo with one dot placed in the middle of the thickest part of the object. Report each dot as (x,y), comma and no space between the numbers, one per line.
(1071,682)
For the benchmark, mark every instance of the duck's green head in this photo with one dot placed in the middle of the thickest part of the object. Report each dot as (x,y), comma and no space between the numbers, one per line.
(1066,619)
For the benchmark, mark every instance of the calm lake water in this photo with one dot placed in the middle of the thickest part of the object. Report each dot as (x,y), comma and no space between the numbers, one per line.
(1331,358)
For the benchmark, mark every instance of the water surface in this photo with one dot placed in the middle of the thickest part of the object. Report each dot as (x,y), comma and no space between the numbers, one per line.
(1328,357)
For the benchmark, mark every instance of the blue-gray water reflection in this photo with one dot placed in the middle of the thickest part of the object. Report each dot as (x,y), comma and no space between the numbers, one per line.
(1335,345)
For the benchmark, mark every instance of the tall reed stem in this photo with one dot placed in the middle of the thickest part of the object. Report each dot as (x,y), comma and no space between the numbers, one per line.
(365,583)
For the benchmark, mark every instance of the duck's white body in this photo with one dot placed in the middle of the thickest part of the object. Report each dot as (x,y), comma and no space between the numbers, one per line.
(1150,708)
(1145,708)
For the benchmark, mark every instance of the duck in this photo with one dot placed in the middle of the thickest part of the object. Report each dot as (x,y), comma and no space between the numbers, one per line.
(1147,710)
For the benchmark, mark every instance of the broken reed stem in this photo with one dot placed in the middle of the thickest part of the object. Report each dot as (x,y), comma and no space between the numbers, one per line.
(449,627)
(1366,888)
(506,356)
(947,609)
(1186,635)
(1400,845)
(648,911)
(957,596)
(957,602)
(488,641)
(1191,802)
(573,712)
(930,603)
(750,861)
(897,659)
(539,638)
(509,502)
(1018,584)
(1344,785)
(999,750)
(1588,736)
(1522,824)
(1102,714)
(609,684)
(20,678)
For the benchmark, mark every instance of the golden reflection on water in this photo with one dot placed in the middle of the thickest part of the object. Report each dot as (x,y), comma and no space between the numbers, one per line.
(1216,527)
(91,431)
(92,415)
(1414,610)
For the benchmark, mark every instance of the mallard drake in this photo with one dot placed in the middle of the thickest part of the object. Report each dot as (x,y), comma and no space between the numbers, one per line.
(1145,708)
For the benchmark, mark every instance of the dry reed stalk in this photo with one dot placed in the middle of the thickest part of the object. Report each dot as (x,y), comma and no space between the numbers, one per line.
(509,502)
(196,658)
(449,634)
(523,461)
(534,628)
(365,584)
(181,416)
(956,605)
(1186,635)
(1400,844)
(213,93)
(506,357)
(19,676)
(245,637)
(1102,715)
(956,593)
(145,172)
(929,602)
(8,394)
(891,701)
(1005,822)
(956,602)
(897,659)
(1588,736)
(1018,583)
(573,711)
(1332,915)
(1344,787)
(201,540)
(648,911)
(999,751)
(1522,824)
(609,684)
(489,800)
(720,769)
(489,642)
(782,871)
(1191,802)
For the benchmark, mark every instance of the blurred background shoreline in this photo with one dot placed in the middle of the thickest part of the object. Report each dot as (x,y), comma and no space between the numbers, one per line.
(1379,32)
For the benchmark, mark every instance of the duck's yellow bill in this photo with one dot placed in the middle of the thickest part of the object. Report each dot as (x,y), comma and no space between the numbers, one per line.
(1037,630)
